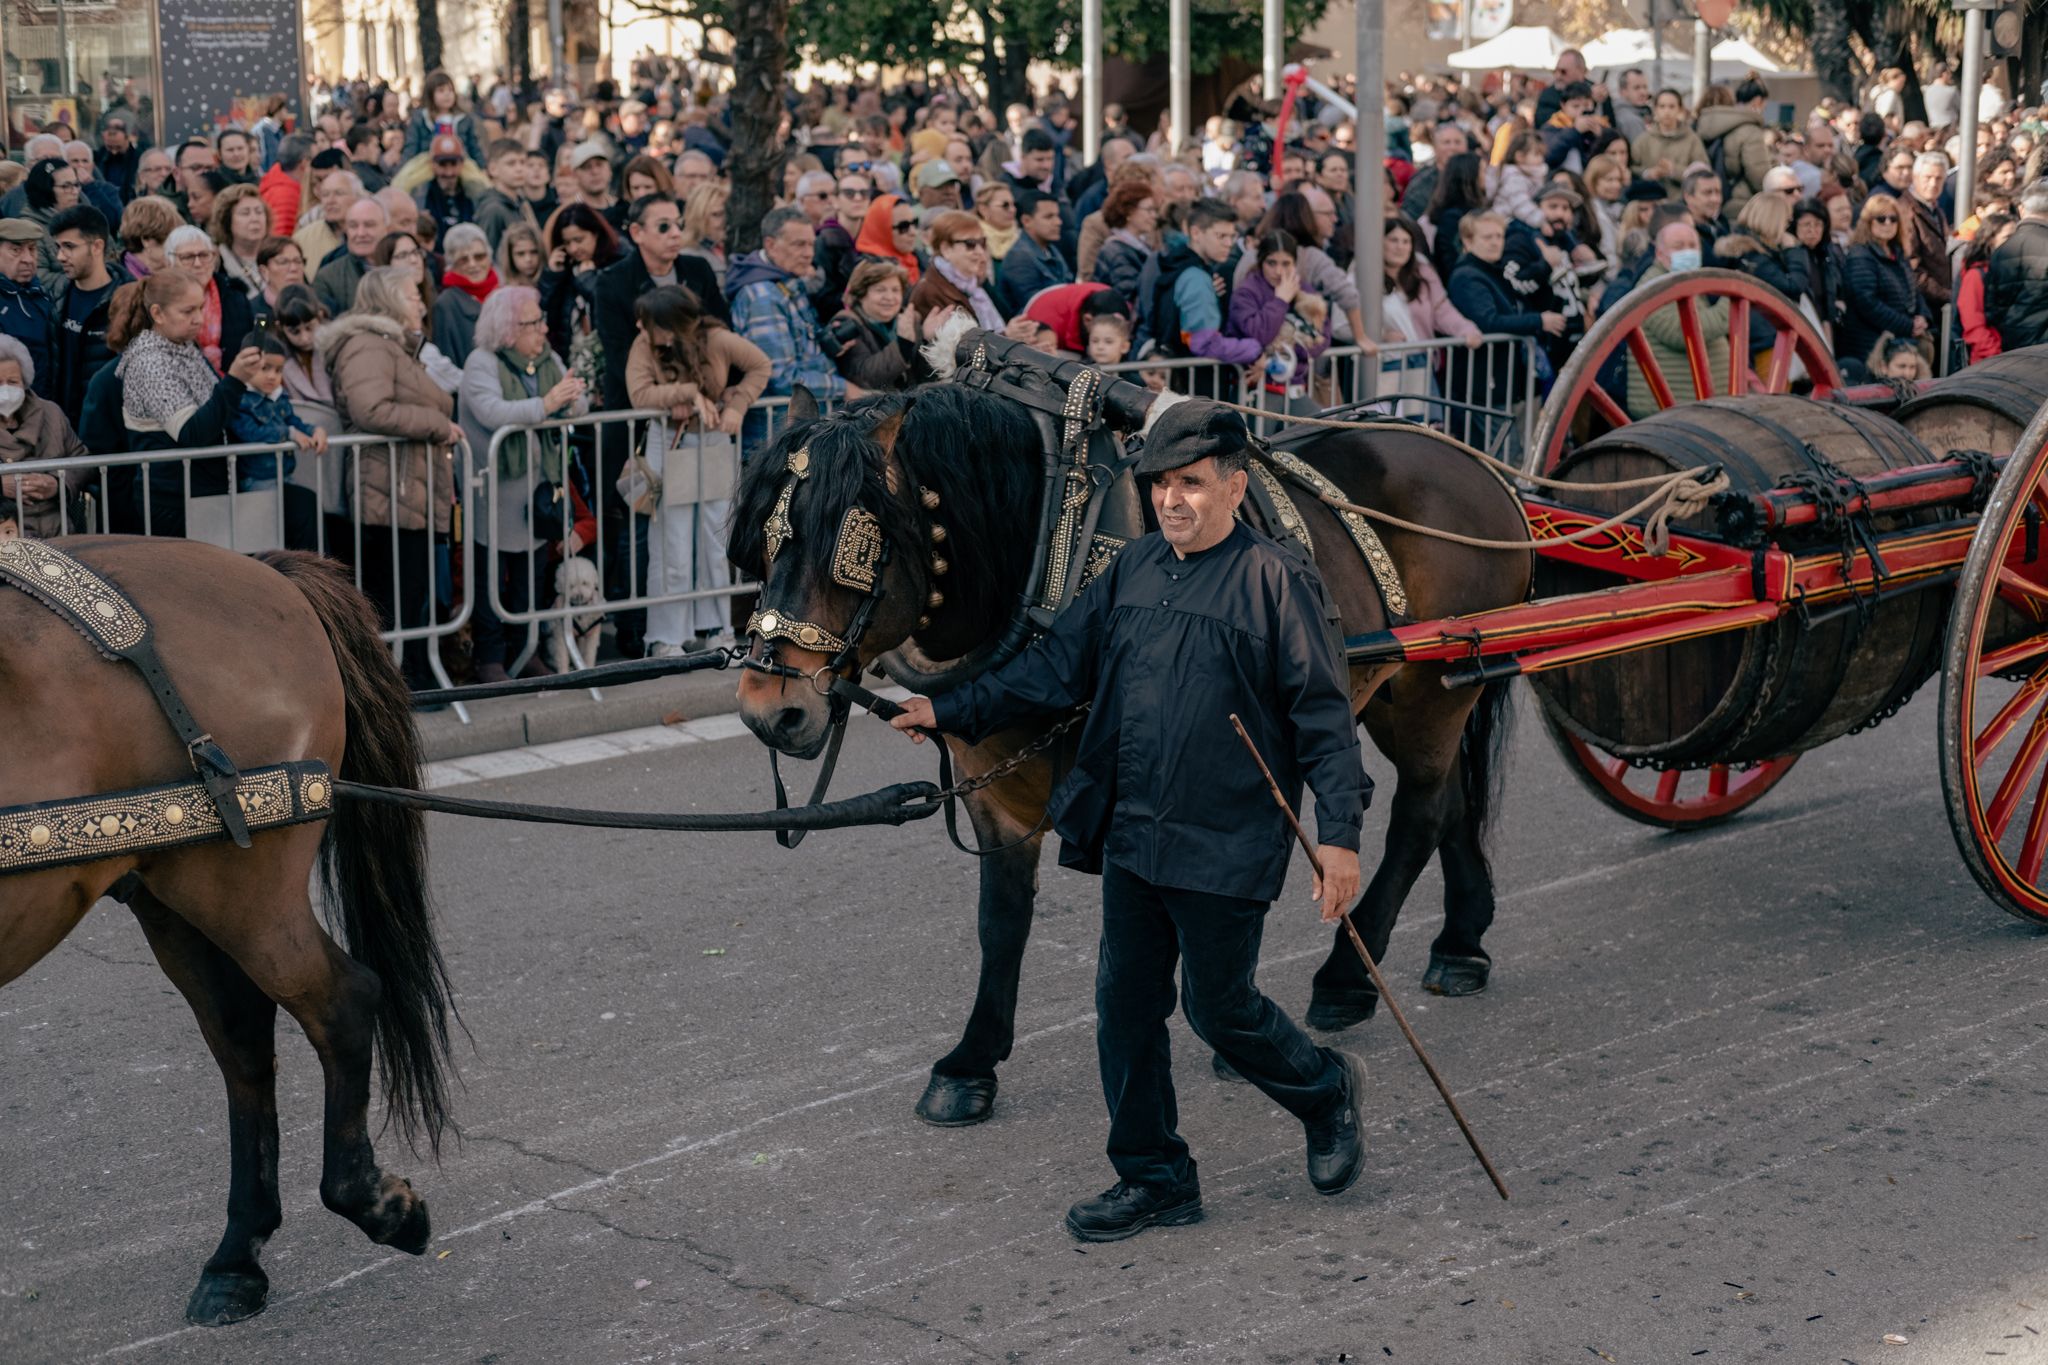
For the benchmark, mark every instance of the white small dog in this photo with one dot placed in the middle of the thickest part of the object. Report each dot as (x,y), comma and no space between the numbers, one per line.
(576,585)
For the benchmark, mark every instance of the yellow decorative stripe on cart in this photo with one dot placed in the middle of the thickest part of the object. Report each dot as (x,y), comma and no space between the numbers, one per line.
(89,828)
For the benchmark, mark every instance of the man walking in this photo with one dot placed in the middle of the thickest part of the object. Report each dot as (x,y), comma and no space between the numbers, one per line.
(1202,619)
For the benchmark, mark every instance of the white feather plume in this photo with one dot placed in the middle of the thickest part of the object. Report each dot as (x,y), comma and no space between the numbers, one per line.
(939,352)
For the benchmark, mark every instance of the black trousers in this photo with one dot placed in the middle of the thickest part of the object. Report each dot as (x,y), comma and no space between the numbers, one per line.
(1146,929)
(490,643)
(400,590)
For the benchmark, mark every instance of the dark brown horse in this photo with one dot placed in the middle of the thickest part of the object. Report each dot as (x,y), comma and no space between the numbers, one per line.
(280,661)
(952,457)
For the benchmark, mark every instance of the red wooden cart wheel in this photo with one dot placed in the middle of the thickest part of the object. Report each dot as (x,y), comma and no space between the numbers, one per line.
(1667,798)
(1577,391)
(1994,689)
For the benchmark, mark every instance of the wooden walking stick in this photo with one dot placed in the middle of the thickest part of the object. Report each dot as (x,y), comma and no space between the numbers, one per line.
(1371,967)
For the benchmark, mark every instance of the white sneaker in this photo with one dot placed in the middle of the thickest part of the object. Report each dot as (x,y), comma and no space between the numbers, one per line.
(664,650)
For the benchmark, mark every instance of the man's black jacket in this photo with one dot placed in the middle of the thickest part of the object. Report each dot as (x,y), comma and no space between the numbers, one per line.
(2017,291)
(1168,648)
(625,280)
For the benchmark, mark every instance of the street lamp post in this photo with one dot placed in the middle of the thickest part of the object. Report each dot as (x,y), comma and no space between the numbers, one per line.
(1091,80)
(1368,171)
(1973,81)
(1276,41)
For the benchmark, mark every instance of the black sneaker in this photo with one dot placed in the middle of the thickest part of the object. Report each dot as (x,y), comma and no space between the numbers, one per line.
(1336,1150)
(1125,1210)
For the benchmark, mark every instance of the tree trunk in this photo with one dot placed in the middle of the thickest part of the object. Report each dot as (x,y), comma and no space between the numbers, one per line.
(1833,62)
(1003,66)
(430,34)
(760,31)
(519,45)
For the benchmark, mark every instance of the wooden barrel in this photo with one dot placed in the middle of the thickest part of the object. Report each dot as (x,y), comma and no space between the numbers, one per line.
(1984,407)
(1782,688)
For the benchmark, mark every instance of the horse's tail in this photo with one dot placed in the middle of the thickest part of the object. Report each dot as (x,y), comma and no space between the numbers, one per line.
(1483,750)
(373,863)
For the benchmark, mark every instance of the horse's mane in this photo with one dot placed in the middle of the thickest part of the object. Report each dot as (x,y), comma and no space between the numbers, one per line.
(978,452)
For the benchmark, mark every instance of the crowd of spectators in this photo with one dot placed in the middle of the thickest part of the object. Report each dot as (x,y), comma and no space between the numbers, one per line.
(429,273)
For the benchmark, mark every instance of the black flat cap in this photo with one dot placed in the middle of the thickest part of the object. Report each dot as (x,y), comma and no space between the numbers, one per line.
(1191,430)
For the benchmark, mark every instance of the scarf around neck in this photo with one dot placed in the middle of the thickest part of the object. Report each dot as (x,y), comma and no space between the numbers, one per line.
(518,379)
(476,289)
(985,313)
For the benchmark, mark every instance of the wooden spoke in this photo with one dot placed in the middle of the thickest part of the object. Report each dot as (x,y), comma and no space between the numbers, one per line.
(2002,660)
(1604,404)
(1998,815)
(2024,592)
(2035,842)
(1695,346)
(1993,734)
(1783,350)
(1740,375)
(1653,373)
(1670,798)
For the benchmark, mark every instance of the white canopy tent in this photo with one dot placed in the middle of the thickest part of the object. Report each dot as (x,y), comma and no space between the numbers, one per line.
(1732,58)
(1524,47)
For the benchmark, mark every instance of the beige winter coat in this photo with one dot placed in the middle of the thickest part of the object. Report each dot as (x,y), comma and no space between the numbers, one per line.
(381,389)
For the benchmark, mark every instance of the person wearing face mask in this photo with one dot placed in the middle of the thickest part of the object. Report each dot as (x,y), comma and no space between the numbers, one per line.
(32,428)
(1678,250)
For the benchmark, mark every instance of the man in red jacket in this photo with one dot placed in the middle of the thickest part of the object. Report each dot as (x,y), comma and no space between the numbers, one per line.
(283,186)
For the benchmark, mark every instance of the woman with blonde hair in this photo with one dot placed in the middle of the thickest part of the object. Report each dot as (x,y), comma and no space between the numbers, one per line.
(704,226)
(239,227)
(520,257)
(1762,245)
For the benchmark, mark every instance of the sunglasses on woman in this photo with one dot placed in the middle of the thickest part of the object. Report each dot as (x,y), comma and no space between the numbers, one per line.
(904,225)
(1884,218)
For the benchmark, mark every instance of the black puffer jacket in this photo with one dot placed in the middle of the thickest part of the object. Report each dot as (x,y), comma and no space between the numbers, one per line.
(1877,297)
(2018,293)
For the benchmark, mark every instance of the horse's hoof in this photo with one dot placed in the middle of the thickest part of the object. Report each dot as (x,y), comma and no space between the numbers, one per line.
(1224,1070)
(222,1297)
(415,1232)
(1456,975)
(957,1101)
(1332,1011)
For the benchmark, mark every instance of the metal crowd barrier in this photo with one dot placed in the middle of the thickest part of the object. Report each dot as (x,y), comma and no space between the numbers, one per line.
(128,494)
(698,473)
(485,563)
(1485,393)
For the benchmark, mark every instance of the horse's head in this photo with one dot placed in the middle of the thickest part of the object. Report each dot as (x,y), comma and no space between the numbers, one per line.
(852,556)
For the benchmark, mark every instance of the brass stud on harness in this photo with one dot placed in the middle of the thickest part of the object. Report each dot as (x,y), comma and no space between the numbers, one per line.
(928,497)
(938,534)
(936,600)
(923,621)
(939,565)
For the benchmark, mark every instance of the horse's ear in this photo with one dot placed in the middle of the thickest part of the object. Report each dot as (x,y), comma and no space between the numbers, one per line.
(803,405)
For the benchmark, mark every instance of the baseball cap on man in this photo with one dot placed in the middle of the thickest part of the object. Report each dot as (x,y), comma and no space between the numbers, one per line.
(20,230)
(935,173)
(446,148)
(587,151)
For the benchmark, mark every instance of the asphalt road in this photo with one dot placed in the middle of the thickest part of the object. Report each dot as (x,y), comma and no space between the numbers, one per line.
(1763,1094)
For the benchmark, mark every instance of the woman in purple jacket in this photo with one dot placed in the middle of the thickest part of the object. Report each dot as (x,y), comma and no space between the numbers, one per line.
(1290,322)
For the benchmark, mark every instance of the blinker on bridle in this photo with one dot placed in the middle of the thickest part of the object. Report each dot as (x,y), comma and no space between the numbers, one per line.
(859,555)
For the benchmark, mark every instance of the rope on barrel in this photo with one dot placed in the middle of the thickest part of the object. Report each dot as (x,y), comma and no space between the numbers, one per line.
(1471,452)
(896,804)
(1681,493)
